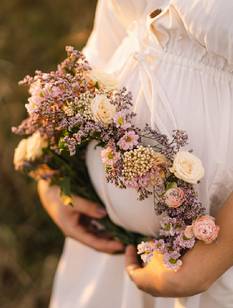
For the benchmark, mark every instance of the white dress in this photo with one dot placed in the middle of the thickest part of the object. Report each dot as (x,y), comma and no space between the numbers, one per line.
(179,67)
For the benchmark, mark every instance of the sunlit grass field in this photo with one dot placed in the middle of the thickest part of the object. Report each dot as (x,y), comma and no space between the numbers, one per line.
(32,36)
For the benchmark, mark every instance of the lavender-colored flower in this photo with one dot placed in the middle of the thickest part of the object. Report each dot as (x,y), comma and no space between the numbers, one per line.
(146,247)
(146,251)
(184,242)
(172,260)
(147,257)
(170,226)
(160,245)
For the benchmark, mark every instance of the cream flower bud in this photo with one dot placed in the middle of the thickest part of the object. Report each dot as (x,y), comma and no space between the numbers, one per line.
(107,81)
(36,98)
(35,145)
(66,200)
(187,167)
(20,154)
(102,110)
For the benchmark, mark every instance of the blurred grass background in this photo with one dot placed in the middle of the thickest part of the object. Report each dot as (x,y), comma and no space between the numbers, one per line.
(32,36)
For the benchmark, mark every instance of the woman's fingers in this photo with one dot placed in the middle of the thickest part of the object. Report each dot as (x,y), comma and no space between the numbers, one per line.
(141,276)
(131,257)
(80,234)
(88,208)
(134,270)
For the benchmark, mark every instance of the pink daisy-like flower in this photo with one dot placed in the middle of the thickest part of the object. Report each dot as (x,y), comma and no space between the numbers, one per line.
(128,141)
(120,120)
(109,156)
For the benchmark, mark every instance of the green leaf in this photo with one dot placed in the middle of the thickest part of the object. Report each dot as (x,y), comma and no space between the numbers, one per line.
(170,185)
(65,185)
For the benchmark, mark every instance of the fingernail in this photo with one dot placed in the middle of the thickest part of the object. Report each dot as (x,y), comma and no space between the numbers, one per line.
(102,211)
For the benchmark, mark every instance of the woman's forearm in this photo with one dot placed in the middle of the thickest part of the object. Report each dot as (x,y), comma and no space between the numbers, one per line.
(204,264)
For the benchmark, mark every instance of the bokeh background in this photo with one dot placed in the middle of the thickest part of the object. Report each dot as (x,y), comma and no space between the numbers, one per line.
(33,34)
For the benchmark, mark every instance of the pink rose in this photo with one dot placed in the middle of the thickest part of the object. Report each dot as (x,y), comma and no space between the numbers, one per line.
(174,197)
(205,229)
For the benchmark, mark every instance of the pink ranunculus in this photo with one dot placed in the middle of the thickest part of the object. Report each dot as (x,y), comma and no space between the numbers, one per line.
(205,229)
(174,197)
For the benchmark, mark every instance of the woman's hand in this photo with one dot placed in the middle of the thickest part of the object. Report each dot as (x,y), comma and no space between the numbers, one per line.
(157,280)
(202,265)
(67,218)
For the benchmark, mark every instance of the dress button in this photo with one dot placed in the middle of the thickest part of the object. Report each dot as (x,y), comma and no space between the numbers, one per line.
(155,13)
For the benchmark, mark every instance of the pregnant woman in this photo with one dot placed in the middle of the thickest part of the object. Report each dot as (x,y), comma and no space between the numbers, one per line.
(178,64)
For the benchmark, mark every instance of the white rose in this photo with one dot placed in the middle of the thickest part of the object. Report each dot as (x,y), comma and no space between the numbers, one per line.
(35,145)
(187,167)
(20,154)
(102,110)
(105,80)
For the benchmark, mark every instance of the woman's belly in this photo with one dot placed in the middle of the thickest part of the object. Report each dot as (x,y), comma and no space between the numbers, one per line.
(122,205)
(172,92)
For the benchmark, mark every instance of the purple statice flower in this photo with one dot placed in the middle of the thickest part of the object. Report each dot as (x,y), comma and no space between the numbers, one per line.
(144,181)
(132,183)
(79,136)
(180,138)
(143,193)
(71,144)
(162,143)
(123,99)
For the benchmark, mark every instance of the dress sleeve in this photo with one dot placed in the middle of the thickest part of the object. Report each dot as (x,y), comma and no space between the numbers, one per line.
(107,33)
